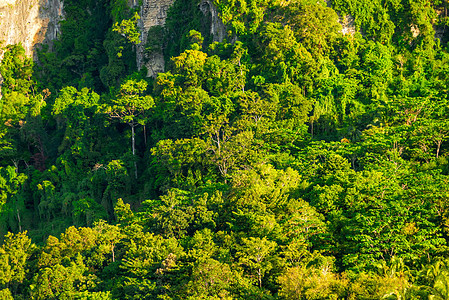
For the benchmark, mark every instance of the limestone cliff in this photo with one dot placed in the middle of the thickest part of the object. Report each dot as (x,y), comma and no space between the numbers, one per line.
(30,22)
(154,13)
(217,28)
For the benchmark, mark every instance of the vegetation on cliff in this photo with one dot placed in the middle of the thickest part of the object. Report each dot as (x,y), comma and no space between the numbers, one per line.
(289,161)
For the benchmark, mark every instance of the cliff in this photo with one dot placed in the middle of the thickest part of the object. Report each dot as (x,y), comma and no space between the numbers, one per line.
(217,28)
(30,22)
(154,13)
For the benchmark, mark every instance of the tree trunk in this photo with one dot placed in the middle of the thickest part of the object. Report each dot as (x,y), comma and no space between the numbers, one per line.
(311,131)
(134,149)
(16,165)
(438,147)
(113,253)
(18,218)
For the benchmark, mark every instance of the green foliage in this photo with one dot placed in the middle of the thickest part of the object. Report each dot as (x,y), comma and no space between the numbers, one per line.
(16,250)
(292,161)
(11,185)
(6,294)
(400,21)
(130,101)
(314,24)
(128,28)
(315,280)
(254,257)
(182,17)
(121,60)
(16,70)
(76,57)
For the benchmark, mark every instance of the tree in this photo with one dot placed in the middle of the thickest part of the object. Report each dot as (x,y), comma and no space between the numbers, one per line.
(315,25)
(312,279)
(75,114)
(58,281)
(146,266)
(209,276)
(108,236)
(17,70)
(11,183)
(128,107)
(129,29)
(14,253)
(6,294)
(181,163)
(171,216)
(255,255)
(20,103)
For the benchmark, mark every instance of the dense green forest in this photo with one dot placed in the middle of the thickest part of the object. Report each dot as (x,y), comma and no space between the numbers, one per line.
(289,161)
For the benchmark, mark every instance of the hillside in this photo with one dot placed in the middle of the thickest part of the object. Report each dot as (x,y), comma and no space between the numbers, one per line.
(225,149)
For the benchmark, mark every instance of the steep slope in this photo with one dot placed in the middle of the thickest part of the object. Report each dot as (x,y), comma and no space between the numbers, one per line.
(30,22)
(153,13)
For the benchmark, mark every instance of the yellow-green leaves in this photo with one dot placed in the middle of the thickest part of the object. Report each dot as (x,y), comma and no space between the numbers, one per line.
(14,255)
(129,29)
(70,97)
(130,101)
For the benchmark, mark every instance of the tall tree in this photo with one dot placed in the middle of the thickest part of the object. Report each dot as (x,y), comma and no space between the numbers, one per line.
(128,107)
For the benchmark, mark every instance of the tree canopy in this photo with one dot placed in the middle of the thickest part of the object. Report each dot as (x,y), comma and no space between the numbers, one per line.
(304,156)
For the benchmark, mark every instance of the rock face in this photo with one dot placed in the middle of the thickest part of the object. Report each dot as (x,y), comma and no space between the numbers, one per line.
(217,28)
(30,22)
(152,13)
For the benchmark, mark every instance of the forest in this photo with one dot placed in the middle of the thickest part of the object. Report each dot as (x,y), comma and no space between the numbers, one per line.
(293,160)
